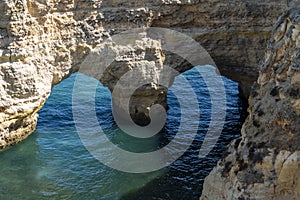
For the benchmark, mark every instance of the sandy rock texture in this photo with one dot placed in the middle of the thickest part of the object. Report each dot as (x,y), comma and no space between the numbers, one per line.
(42,42)
(265,162)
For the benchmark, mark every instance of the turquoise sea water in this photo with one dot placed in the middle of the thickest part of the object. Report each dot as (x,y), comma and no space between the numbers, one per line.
(53,163)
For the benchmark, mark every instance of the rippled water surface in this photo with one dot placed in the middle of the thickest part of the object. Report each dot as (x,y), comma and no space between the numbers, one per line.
(53,163)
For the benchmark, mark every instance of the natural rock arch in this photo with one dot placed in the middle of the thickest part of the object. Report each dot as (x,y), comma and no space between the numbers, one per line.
(43,42)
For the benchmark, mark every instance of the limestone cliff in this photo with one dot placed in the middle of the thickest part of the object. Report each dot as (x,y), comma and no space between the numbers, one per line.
(42,42)
(265,162)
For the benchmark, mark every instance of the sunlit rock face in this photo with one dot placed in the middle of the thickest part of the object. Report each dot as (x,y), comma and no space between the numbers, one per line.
(265,162)
(43,42)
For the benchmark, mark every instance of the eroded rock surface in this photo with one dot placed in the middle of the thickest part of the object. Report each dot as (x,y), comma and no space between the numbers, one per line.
(42,42)
(265,162)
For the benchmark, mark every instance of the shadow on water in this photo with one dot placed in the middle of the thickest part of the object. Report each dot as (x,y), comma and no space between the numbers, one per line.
(185,177)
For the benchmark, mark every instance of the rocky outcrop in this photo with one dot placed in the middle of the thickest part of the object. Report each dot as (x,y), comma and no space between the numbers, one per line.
(233,32)
(42,42)
(265,162)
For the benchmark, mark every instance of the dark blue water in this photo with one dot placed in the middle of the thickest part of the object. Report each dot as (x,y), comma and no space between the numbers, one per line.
(53,163)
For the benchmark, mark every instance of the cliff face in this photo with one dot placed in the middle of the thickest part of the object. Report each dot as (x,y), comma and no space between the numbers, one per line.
(265,162)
